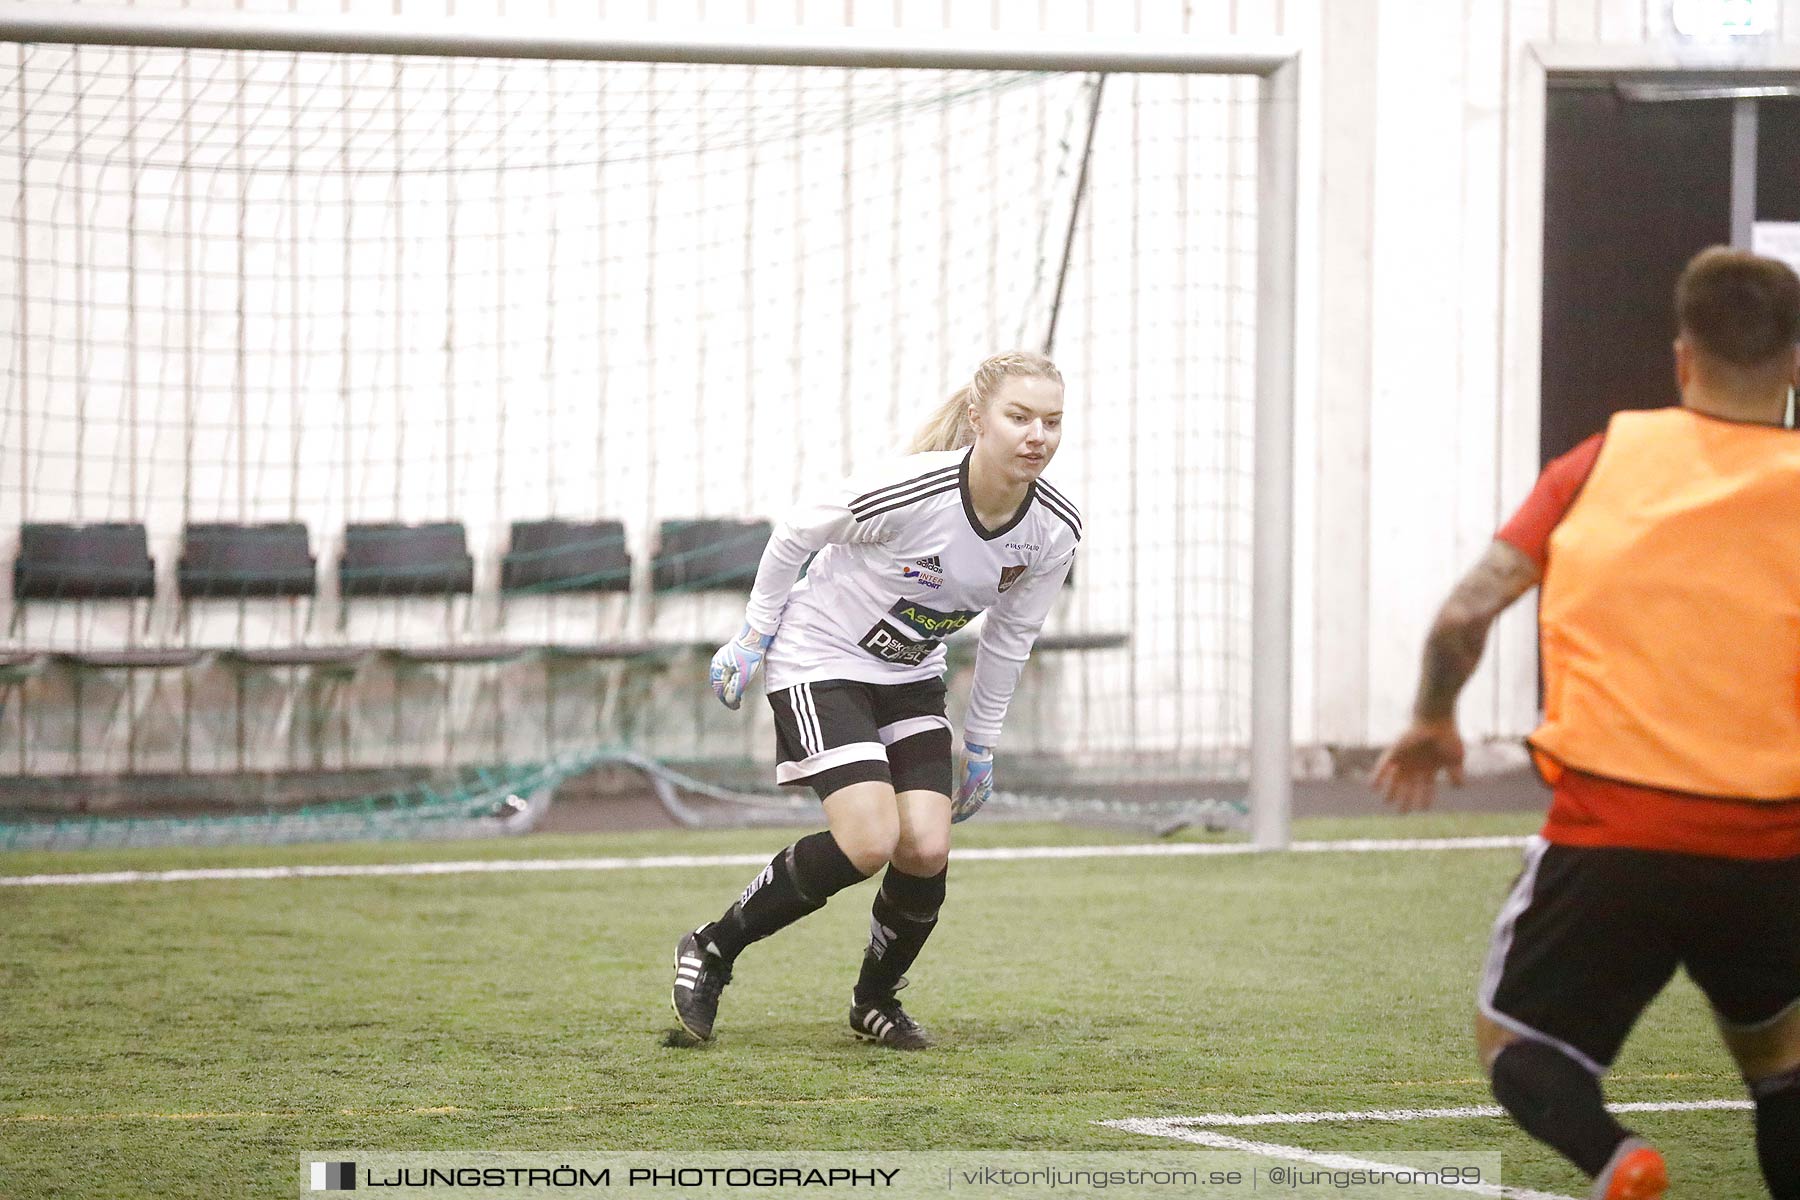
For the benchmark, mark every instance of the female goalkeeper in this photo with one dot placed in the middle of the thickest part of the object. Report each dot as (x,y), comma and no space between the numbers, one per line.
(907,555)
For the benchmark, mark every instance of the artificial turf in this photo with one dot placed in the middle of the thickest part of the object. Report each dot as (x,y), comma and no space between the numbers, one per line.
(153,1033)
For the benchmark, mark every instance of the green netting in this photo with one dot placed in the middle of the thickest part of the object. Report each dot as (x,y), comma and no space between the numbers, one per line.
(496,801)
(470,802)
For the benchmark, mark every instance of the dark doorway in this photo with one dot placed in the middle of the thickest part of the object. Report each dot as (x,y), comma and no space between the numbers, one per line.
(1632,189)
(1778,160)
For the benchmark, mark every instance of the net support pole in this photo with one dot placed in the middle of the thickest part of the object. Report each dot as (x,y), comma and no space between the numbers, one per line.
(1081,184)
(1272,554)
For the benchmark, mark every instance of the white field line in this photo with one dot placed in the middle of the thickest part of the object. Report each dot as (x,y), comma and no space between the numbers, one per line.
(1342,1162)
(657,862)
(1224,1120)
(1196,1130)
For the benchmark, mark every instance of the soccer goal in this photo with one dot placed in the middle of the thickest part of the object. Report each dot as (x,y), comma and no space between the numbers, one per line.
(447,300)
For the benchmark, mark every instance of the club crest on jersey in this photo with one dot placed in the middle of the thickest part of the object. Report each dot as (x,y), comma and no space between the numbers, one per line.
(1010,576)
(928,571)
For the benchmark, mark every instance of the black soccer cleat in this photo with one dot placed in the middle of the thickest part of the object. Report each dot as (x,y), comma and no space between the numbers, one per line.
(884,1021)
(700,975)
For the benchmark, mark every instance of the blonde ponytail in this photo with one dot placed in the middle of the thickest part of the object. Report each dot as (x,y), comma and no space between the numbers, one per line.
(948,426)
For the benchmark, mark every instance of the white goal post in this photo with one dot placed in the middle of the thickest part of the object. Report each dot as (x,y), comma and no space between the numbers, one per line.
(1274,65)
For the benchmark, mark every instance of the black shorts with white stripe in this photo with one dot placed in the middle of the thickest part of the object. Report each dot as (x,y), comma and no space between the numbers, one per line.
(836,732)
(1590,934)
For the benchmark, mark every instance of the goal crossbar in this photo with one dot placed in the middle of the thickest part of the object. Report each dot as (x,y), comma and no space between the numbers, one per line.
(467,37)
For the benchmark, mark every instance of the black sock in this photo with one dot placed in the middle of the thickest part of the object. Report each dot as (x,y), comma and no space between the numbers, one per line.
(1556,1101)
(797,881)
(901,918)
(1778,1132)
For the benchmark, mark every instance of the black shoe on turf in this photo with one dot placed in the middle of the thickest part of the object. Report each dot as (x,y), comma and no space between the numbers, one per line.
(884,1021)
(700,975)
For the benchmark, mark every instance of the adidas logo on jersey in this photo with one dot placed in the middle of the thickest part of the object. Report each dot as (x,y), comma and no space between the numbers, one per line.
(928,571)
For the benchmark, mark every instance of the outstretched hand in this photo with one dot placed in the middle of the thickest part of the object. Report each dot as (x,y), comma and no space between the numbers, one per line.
(1406,775)
(977,785)
(735,665)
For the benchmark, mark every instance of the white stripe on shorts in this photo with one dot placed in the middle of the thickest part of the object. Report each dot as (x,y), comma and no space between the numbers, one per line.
(899,730)
(1516,903)
(805,720)
(837,756)
(812,714)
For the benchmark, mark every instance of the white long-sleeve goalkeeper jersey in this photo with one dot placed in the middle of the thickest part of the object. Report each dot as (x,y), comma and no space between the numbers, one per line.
(903,562)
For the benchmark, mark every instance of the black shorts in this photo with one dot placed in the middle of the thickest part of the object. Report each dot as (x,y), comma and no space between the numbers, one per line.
(837,732)
(1589,936)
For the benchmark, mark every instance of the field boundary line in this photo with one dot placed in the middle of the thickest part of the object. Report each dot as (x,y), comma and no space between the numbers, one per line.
(1227,1120)
(1172,1128)
(668,861)
(1200,1131)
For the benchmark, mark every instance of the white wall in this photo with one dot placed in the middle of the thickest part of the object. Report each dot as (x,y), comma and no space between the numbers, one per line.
(1430,291)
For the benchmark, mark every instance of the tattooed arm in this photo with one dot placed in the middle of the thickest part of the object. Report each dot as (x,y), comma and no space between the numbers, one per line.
(1406,775)
(1459,634)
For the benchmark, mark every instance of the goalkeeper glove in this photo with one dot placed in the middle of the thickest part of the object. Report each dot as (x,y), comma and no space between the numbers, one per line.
(977,782)
(735,665)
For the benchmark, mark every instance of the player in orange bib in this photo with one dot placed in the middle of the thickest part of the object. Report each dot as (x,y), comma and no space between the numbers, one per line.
(1668,554)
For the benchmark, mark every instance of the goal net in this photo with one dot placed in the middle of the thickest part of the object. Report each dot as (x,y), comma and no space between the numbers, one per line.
(304,285)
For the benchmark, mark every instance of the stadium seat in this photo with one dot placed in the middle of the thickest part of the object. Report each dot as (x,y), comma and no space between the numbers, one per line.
(224,561)
(391,560)
(109,561)
(710,555)
(273,561)
(268,562)
(83,562)
(406,560)
(566,556)
(81,573)
(551,558)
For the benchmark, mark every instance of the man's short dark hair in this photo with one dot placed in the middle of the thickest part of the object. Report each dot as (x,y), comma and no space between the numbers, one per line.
(1739,307)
